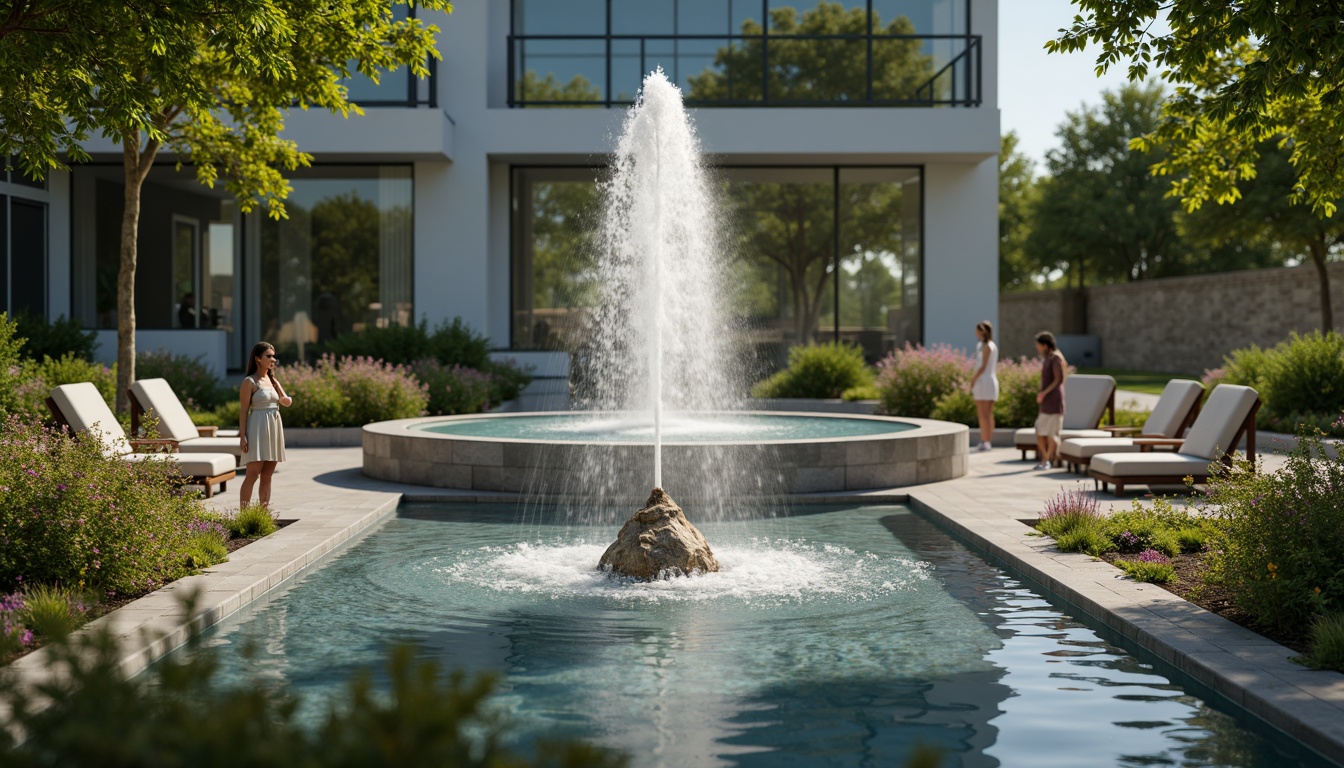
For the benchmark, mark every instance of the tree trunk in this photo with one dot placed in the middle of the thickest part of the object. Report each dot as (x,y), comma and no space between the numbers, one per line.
(135,166)
(1318,251)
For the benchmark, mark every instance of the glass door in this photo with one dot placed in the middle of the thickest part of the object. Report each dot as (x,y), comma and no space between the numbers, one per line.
(186,274)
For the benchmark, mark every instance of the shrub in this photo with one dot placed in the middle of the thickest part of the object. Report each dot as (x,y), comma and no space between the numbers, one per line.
(1074,520)
(1150,565)
(11,372)
(1300,381)
(1019,381)
(14,636)
(41,377)
(72,516)
(1327,643)
(453,389)
(178,713)
(450,343)
(206,538)
(913,379)
(1281,536)
(818,371)
(250,522)
(191,379)
(52,611)
(862,392)
(1161,527)
(957,406)
(507,380)
(59,338)
(351,392)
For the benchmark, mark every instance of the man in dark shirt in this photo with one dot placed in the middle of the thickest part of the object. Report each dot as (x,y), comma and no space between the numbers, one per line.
(1051,400)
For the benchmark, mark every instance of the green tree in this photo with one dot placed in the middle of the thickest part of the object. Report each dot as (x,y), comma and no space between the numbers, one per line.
(816,70)
(1229,96)
(1101,216)
(1233,97)
(1018,193)
(206,82)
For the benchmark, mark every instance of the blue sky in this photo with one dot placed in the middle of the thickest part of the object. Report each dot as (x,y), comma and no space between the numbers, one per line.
(1036,89)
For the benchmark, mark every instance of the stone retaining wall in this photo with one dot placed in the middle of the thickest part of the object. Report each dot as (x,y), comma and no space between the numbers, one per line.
(1178,324)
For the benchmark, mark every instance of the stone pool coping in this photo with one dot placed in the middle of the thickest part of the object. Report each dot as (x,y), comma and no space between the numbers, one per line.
(335,504)
(402,451)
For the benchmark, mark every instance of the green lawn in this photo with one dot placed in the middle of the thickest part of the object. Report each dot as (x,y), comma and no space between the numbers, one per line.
(1137,381)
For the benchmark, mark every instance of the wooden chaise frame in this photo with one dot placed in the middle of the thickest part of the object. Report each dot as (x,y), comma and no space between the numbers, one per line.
(207,481)
(1107,415)
(1079,467)
(1247,429)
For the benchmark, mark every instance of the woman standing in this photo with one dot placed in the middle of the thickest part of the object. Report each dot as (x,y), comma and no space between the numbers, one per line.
(1051,399)
(985,384)
(261,434)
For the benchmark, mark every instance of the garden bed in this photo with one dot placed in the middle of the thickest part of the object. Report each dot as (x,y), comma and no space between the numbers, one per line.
(1190,586)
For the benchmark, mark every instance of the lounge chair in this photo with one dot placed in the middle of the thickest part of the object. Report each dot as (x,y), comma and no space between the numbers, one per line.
(80,408)
(1176,410)
(1228,413)
(156,396)
(1087,397)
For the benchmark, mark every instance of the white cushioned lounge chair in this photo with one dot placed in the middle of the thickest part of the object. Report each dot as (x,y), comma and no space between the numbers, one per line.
(1176,409)
(81,408)
(1087,397)
(1228,414)
(156,397)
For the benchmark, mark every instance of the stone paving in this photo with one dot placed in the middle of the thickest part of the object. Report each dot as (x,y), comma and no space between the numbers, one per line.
(334,503)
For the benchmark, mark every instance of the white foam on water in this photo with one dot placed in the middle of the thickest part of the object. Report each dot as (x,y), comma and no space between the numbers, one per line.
(769,571)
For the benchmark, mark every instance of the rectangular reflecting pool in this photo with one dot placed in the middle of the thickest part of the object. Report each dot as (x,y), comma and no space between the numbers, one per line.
(835,636)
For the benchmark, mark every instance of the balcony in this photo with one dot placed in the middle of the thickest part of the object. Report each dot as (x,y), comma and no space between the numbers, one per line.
(749,70)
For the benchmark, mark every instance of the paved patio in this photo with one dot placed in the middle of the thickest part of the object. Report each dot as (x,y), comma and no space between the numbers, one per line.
(334,503)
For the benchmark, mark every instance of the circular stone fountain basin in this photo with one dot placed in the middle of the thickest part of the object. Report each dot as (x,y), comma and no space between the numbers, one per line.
(536,453)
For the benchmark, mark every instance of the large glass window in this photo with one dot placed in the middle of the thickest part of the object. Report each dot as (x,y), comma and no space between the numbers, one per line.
(183,279)
(339,263)
(23,243)
(787,229)
(744,52)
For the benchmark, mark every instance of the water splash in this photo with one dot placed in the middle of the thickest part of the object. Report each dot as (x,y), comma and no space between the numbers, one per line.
(662,336)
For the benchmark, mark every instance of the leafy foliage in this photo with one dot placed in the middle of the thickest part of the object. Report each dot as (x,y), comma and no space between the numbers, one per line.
(350,392)
(39,378)
(179,714)
(818,371)
(453,389)
(1281,536)
(191,379)
(11,376)
(914,378)
(71,515)
(1300,380)
(63,336)
(1327,643)
(1018,195)
(1149,566)
(251,522)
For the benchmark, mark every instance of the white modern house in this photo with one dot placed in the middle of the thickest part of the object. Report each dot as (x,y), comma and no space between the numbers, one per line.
(856,139)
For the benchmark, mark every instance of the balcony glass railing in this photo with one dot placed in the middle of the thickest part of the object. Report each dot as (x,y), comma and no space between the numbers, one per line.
(823,70)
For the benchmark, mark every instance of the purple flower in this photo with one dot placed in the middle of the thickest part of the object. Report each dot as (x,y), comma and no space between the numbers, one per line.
(27,638)
(1153,556)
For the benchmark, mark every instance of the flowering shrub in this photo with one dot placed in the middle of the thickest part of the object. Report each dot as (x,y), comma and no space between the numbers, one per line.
(191,379)
(70,515)
(453,389)
(818,371)
(1019,381)
(1074,520)
(39,378)
(1280,536)
(13,633)
(1300,381)
(1150,565)
(350,392)
(913,379)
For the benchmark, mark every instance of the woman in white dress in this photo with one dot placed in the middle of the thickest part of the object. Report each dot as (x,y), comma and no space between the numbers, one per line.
(985,384)
(261,435)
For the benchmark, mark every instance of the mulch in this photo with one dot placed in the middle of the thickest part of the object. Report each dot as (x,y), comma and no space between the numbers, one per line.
(1216,598)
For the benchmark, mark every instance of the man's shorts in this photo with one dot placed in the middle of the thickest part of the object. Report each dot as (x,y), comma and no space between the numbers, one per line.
(1049,425)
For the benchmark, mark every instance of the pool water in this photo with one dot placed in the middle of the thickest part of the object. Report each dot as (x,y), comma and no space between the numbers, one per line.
(677,428)
(837,636)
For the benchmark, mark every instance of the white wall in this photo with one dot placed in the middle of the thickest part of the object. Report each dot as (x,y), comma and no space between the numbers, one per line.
(211,345)
(961,250)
